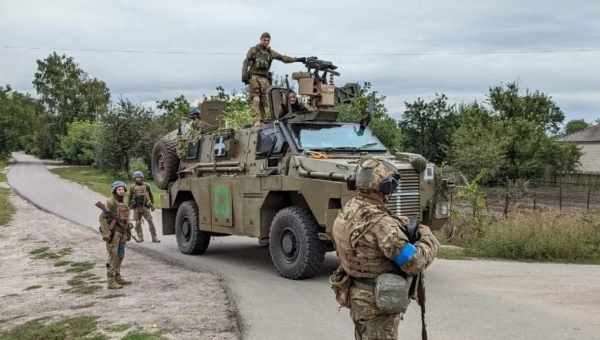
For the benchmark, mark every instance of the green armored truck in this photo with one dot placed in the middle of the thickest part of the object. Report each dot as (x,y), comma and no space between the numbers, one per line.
(285,181)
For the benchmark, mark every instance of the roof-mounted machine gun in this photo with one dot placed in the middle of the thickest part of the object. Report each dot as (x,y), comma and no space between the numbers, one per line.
(317,83)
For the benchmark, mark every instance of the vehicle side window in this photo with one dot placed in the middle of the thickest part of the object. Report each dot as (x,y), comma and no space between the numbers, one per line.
(193,150)
(269,143)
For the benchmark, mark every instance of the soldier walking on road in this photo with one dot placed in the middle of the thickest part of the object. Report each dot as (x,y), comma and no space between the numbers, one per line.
(379,259)
(116,231)
(141,201)
(255,73)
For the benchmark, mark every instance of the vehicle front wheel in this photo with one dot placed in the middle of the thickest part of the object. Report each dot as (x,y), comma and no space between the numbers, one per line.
(295,248)
(190,239)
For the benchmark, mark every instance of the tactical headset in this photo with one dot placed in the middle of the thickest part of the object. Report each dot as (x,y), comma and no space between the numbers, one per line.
(363,177)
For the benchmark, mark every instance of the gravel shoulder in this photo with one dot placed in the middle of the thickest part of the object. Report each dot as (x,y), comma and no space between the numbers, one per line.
(54,269)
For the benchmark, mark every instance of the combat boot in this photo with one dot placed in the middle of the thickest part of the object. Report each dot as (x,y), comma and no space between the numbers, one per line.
(140,238)
(113,284)
(122,281)
(155,239)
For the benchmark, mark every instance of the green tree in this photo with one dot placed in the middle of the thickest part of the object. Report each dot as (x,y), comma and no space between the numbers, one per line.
(19,121)
(173,111)
(123,127)
(575,125)
(68,94)
(536,107)
(428,127)
(478,144)
(513,139)
(78,146)
(237,112)
(383,126)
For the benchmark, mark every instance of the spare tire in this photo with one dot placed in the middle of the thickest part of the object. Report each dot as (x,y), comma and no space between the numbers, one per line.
(165,162)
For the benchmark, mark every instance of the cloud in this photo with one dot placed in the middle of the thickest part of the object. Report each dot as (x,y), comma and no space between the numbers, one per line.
(466,46)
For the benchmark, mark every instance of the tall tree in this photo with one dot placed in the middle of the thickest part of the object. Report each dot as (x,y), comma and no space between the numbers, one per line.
(382,124)
(518,131)
(123,127)
(19,121)
(68,94)
(173,111)
(575,125)
(478,144)
(428,127)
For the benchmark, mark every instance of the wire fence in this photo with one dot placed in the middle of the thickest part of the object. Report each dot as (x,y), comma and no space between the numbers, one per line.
(572,194)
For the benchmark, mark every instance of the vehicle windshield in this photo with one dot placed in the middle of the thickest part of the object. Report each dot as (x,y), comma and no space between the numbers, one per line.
(335,137)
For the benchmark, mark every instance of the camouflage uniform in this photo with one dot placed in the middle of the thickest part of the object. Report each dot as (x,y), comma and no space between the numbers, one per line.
(115,246)
(141,201)
(367,238)
(256,73)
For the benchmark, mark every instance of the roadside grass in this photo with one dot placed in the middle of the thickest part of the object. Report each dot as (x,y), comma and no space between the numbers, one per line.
(82,281)
(75,328)
(97,180)
(3,165)
(450,252)
(537,236)
(143,335)
(7,210)
(81,327)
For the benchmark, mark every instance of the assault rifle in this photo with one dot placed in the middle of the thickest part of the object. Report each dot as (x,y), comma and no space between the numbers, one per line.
(418,284)
(113,223)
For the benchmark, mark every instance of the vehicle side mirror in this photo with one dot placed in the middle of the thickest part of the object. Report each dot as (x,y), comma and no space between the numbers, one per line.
(267,140)
(351,182)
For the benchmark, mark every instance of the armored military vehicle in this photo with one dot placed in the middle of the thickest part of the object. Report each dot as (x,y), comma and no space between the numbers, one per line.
(285,181)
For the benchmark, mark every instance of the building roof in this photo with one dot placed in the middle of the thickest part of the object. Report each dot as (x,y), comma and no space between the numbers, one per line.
(591,134)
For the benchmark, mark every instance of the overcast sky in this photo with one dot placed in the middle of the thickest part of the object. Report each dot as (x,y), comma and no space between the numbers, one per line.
(406,49)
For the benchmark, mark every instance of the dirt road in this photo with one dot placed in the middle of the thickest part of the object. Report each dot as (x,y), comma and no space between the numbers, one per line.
(467,299)
(54,268)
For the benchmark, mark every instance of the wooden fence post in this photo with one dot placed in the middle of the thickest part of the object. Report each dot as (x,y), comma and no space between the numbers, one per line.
(588,198)
(560,195)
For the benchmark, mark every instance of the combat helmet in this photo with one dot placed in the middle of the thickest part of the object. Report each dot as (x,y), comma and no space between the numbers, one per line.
(138,174)
(117,184)
(376,175)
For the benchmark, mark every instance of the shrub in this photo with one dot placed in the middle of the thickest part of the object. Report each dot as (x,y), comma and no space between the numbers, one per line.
(540,236)
(78,146)
(138,164)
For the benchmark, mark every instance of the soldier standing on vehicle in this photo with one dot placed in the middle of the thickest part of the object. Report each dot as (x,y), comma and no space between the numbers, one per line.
(255,73)
(141,201)
(375,252)
(116,231)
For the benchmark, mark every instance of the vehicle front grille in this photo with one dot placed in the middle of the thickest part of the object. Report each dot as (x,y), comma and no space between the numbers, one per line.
(405,201)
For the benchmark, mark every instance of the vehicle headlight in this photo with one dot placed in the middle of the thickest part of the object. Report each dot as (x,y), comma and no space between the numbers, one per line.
(429,172)
(442,209)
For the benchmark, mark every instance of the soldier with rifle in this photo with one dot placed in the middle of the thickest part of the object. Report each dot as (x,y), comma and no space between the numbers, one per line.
(116,231)
(255,73)
(382,256)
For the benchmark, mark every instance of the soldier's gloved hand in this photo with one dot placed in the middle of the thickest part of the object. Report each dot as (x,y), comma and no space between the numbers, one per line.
(422,230)
(245,78)
(152,208)
(301,59)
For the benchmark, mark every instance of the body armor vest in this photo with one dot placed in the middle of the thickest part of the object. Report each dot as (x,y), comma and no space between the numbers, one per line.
(121,211)
(262,61)
(140,195)
(359,257)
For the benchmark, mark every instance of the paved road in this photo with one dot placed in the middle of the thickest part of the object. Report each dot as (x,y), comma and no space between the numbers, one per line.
(467,299)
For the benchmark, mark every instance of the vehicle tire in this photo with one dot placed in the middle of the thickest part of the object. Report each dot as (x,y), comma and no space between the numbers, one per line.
(165,162)
(295,248)
(190,239)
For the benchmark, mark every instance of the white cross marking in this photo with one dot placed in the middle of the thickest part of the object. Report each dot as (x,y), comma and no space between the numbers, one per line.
(220,146)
